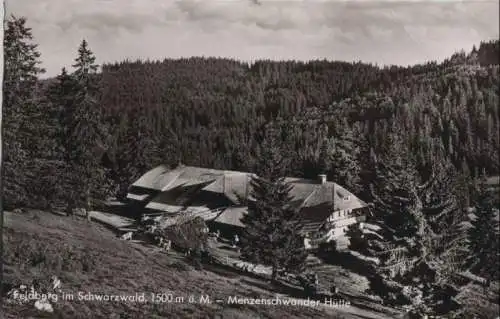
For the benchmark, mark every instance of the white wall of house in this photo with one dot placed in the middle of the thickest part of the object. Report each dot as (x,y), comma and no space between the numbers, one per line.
(339,214)
(339,222)
(345,213)
(307,243)
(344,222)
(336,232)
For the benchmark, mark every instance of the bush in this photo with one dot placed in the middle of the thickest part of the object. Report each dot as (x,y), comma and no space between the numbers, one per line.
(357,242)
(30,252)
(188,234)
(327,251)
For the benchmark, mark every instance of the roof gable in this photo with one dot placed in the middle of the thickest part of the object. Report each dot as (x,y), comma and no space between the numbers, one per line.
(235,185)
(152,179)
(232,216)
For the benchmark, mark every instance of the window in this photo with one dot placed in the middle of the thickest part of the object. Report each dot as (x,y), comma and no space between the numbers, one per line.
(346,198)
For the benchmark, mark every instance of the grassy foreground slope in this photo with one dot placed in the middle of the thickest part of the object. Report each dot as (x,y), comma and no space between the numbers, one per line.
(89,258)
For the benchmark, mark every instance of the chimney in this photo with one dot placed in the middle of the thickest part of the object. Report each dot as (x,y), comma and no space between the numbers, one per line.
(224,183)
(322,178)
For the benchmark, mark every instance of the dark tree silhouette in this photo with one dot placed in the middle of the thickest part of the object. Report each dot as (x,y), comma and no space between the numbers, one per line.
(272,234)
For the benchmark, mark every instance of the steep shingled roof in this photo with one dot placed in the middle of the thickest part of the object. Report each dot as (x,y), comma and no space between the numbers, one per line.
(232,216)
(235,184)
(312,222)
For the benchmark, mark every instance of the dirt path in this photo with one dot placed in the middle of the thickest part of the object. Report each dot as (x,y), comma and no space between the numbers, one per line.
(112,220)
(261,286)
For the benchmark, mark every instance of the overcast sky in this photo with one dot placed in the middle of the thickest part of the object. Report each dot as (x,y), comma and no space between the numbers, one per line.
(383,32)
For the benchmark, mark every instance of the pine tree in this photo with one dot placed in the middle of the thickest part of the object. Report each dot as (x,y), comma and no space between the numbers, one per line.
(123,162)
(21,70)
(85,132)
(85,66)
(325,157)
(445,237)
(483,235)
(367,160)
(344,152)
(60,102)
(272,234)
(420,237)
(137,152)
(439,193)
(397,211)
(61,95)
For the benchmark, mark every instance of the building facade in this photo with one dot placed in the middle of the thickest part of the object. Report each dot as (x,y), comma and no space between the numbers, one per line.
(326,208)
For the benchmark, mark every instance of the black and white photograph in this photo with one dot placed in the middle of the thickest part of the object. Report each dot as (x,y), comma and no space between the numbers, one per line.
(247,159)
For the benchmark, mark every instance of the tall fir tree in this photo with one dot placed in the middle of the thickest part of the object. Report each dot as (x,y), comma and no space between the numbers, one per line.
(420,236)
(60,100)
(346,169)
(484,234)
(446,236)
(61,95)
(367,160)
(324,160)
(273,230)
(21,71)
(397,210)
(338,156)
(86,132)
(138,151)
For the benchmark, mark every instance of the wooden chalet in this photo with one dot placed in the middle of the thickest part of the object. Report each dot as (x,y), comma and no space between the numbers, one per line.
(327,209)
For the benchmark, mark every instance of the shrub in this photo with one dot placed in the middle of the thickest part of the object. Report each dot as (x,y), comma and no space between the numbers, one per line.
(31,252)
(327,251)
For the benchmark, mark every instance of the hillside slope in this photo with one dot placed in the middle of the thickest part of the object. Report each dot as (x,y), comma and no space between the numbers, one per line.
(89,258)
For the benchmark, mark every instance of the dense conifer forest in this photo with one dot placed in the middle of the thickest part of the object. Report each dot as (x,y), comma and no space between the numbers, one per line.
(423,134)
(211,112)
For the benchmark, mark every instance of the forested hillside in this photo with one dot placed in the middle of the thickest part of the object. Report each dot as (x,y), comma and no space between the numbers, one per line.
(211,112)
